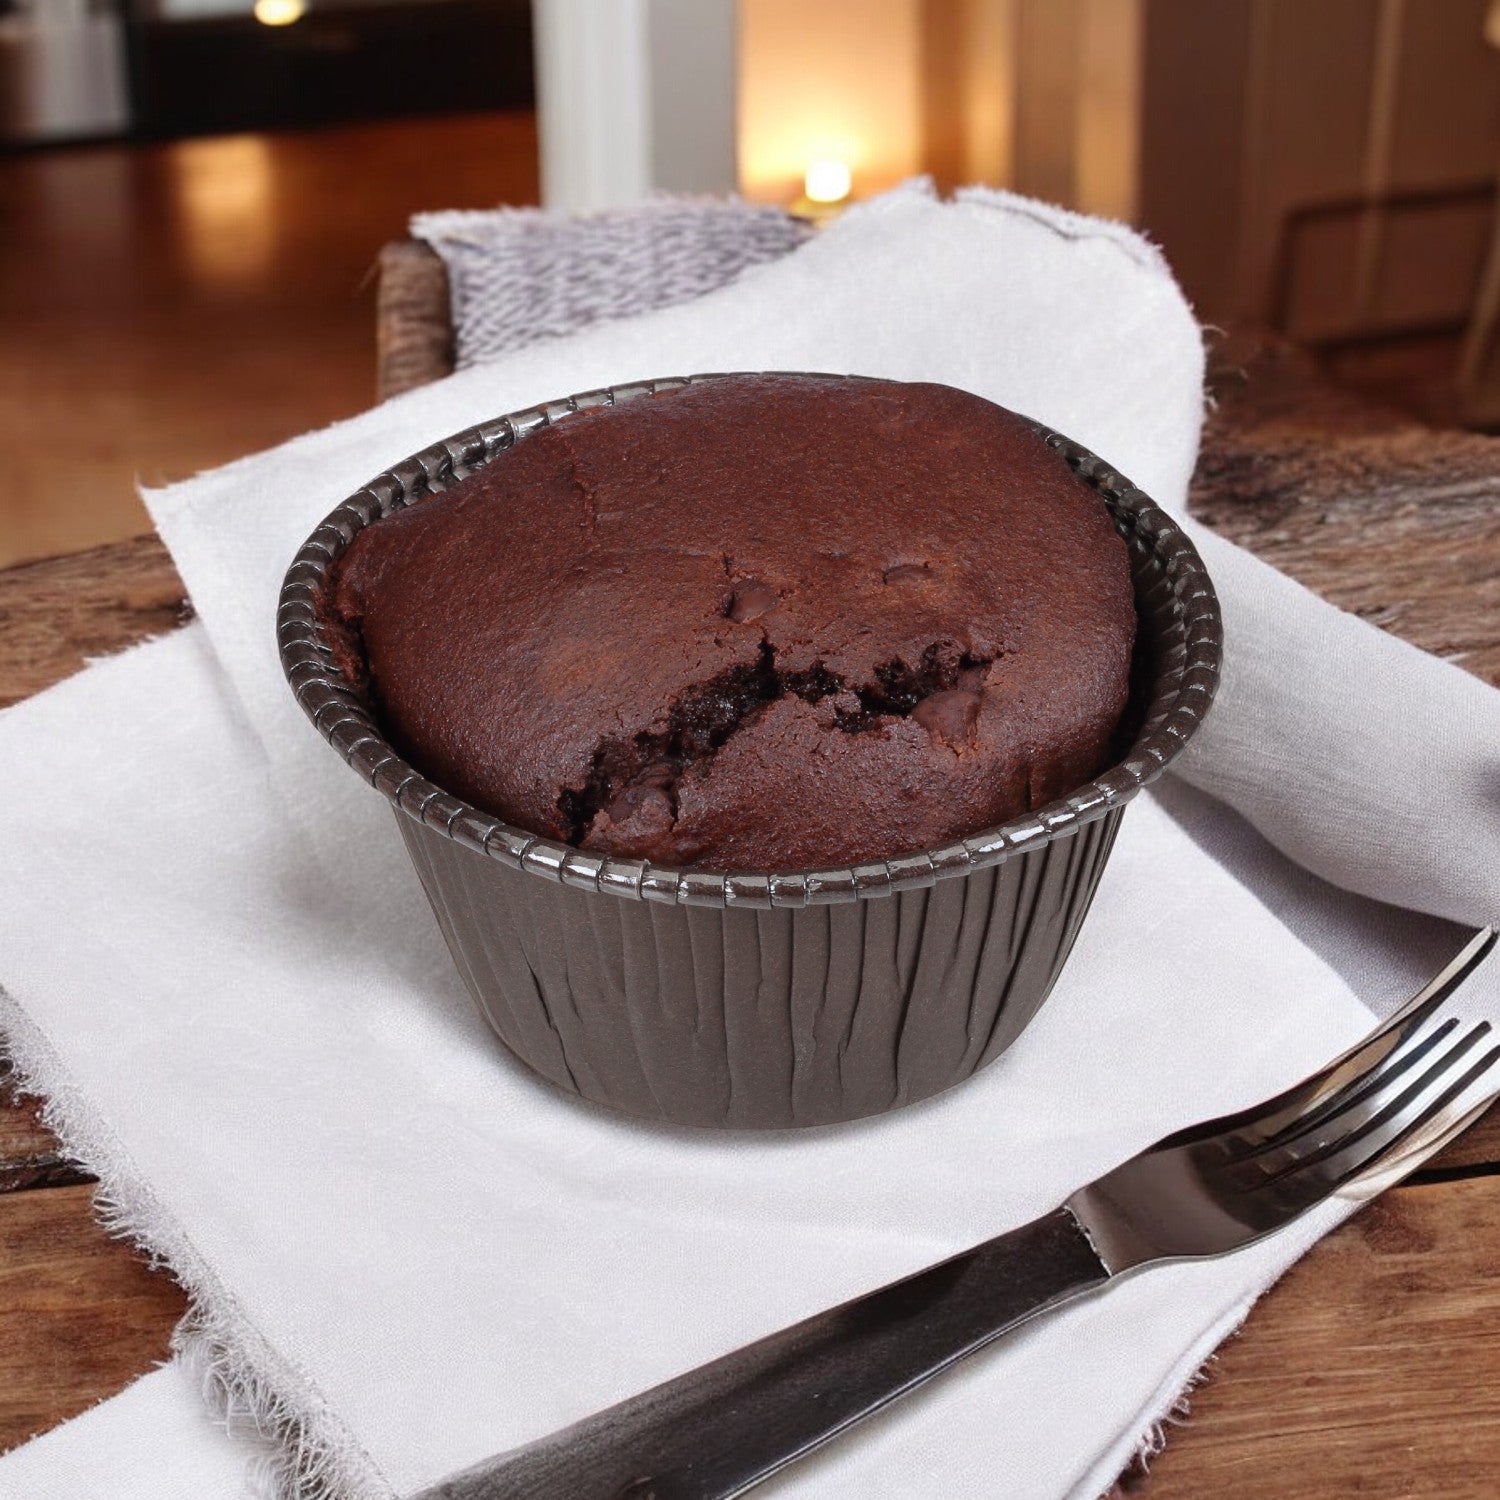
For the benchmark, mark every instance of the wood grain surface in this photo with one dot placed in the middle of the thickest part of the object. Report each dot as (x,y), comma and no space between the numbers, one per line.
(414,324)
(1371,1370)
(1392,520)
(57,614)
(80,1314)
(1374,1368)
(30,1155)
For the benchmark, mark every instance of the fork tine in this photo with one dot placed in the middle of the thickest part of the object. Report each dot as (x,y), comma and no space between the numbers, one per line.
(1391,1139)
(1421,1005)
(1387,1094)
(1401,1059)
(1448,979)
(1329,1089)
(1339,1161)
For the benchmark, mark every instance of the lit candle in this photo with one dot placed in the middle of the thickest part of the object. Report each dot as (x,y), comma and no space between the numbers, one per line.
(279,12)
(827,182)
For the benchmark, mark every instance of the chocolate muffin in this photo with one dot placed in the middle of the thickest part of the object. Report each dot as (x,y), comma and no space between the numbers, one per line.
(758,623)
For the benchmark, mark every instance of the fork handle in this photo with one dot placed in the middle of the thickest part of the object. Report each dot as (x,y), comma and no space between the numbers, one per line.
(715,1431)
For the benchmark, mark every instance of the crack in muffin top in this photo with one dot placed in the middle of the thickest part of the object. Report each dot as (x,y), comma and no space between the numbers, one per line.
(756,623)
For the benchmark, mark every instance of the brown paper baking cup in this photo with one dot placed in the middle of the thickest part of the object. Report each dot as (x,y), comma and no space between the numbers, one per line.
(760,1000)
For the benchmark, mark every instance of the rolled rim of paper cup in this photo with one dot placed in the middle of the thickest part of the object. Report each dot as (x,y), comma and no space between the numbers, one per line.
(1180,636)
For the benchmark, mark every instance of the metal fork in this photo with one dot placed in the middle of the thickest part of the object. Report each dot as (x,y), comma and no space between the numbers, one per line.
(1376,1112)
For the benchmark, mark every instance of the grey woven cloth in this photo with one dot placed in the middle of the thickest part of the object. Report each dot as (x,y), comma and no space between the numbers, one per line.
(517,275)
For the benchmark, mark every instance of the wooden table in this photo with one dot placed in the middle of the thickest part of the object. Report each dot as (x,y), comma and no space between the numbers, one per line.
(1372,1369)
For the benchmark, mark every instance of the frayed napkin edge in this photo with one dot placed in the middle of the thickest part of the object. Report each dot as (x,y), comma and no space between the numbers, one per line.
(300,1450)
(1170,1406)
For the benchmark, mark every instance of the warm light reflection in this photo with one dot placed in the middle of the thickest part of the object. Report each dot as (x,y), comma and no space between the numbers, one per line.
(836,82)
(225,192)
(279,12)
(827,181)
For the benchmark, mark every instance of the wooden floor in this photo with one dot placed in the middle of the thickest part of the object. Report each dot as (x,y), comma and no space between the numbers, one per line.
(167,308)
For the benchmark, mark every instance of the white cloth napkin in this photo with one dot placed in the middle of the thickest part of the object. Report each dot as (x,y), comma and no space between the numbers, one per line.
(404,1251)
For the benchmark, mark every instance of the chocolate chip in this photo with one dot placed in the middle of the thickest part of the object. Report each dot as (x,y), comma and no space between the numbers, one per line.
(643,810)
(951,717)
(751,599)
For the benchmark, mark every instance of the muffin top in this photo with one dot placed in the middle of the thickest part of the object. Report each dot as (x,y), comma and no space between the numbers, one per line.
(763,622)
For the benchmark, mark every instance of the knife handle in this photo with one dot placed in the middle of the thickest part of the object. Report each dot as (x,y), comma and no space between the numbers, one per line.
(715,1431)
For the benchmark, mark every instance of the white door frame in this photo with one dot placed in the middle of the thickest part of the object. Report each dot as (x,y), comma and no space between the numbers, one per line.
(634,97)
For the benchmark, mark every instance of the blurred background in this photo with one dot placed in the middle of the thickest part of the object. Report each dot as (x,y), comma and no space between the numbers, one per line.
(193,193)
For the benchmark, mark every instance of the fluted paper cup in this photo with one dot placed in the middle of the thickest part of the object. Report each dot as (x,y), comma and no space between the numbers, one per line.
(776,999)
